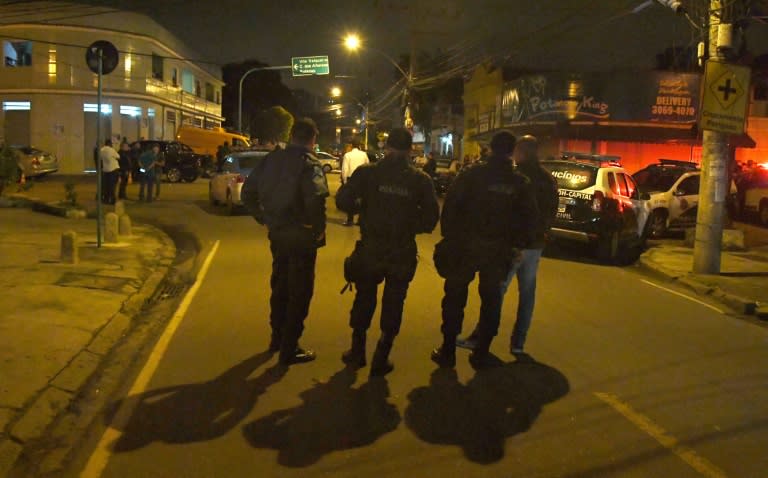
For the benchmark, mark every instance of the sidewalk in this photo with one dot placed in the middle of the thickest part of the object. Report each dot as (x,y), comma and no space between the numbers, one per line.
(57,320)
(743,280)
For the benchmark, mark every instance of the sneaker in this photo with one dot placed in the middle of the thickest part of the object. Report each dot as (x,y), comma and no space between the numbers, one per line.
(299,356)
(470,342)
(516,350)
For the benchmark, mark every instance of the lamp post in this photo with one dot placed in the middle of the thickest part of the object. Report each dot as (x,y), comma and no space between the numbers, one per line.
(240,90)
(335,93)
(352,42)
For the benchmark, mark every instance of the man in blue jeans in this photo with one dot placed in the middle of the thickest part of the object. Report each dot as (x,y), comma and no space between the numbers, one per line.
(545,186)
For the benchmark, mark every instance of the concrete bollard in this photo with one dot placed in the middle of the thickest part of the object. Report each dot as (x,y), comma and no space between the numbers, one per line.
(125,228)
(120,208)
(110,227)
(69,251)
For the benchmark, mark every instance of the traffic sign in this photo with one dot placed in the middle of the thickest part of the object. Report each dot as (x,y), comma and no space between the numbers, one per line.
(109,57)
(309,65)
(726,94)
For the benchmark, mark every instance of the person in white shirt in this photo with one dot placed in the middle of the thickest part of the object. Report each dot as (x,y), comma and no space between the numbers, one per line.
(110,169)
(352,160)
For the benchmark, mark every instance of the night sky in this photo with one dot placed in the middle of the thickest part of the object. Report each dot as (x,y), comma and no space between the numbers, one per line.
(570,35)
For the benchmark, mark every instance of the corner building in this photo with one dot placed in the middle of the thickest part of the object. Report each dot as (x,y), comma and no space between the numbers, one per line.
(49,96)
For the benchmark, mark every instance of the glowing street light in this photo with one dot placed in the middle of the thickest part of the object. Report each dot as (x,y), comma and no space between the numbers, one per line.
(338,112)
(335,92)
(352,42)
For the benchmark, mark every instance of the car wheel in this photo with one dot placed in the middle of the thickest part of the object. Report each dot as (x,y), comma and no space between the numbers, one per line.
(764,212)
(608,247)
(173,175)
(657,224)
(326,169)
(213,200)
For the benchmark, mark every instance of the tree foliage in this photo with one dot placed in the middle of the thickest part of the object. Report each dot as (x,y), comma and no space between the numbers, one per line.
(276,123)
(9,169)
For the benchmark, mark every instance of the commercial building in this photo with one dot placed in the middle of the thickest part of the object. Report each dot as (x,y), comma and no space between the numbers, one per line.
(49,96)
(638,116)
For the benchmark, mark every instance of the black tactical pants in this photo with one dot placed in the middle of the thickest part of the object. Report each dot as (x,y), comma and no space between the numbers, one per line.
(293,280)
(455,299)
(396,270)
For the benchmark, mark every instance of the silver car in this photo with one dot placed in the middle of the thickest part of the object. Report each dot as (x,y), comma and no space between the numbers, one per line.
(329,161)
(226,184)
(35,162)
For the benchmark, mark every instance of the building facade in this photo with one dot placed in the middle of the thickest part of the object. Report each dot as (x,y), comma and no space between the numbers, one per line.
(640,116)
(49,95)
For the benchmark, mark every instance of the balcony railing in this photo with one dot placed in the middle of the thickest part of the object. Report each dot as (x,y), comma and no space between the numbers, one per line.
(184,99)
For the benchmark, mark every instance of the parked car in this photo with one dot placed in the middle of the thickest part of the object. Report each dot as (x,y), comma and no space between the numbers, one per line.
(756,194)
(673,187)
(181,163)
(35,162)
(329,161)
(599,205)
(226,184)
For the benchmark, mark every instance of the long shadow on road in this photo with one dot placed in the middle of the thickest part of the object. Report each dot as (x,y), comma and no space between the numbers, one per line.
(194,412)
(478,417)
(334,416)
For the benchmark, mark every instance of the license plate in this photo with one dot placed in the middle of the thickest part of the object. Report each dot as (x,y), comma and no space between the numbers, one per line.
(561,208)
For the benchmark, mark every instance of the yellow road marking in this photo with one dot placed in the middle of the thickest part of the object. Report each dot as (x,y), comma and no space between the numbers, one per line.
(646,425)
(683,296)
(100,457)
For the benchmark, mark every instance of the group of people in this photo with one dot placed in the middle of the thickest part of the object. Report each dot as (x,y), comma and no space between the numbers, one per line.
(118,167)
(494,223)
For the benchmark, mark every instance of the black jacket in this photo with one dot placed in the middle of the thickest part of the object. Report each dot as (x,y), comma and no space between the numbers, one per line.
(490,204)
(547,199)
(395,200)
(286,191)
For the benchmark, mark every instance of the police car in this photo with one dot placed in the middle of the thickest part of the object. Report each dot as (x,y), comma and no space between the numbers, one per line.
(673,187)
(599,204)
(756,193)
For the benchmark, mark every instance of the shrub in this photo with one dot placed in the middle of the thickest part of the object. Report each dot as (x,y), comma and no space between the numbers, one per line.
(9,169)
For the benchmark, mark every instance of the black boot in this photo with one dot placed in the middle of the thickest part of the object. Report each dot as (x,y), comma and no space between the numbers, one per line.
(380,364)
(355,356)
(481,358)
(445,355)
(275,342)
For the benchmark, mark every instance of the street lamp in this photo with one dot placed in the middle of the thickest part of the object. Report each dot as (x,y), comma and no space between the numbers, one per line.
(352,42)
(335,92)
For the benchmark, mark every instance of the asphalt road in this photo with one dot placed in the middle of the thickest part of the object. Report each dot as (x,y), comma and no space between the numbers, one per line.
(624,379)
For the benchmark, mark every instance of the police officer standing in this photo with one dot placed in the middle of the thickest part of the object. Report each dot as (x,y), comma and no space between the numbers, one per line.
(396,201)
(287,192)
(489,213)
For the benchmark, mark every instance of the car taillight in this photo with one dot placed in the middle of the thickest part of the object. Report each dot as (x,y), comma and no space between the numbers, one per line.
(240,179)
(597,201)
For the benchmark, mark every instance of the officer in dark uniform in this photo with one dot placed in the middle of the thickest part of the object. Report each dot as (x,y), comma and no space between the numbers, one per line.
(396,201)
(489,213)
(287,191)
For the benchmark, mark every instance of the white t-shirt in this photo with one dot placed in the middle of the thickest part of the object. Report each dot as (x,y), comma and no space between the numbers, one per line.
(352,160)
(109,159)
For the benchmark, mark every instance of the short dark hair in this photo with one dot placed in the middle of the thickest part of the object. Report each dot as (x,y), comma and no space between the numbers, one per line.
(108,142)
(304,130)
(503,143)
(400,139)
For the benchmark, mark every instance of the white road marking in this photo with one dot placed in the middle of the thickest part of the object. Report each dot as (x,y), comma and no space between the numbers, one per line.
(684,296)
(100,457)
(646,425)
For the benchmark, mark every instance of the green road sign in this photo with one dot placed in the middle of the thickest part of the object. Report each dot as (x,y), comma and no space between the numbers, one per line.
(309,65)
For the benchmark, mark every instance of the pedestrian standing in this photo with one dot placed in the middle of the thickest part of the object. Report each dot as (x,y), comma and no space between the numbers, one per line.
(352,160)
(287,192)
(430,166)
(147,168)
(545,187)
(126,166)
(489,213)
(397,201)
(110,167)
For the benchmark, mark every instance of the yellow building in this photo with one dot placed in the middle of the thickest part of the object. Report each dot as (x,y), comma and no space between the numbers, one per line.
(482,102)
(48,94)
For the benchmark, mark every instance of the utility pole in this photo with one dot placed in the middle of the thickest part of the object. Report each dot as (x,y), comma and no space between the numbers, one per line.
(714,176)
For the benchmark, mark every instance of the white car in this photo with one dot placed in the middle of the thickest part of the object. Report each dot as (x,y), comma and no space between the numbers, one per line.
(329,161)
(756,194)
(226,184)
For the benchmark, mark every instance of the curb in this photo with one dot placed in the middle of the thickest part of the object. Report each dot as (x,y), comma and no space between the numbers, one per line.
(63,389)
(734,302)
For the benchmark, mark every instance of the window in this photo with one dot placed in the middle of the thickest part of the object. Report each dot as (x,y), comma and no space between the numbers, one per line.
(17,53)
(17,105)
(218,97)
(623,190)
(198,89)
(157,67)
(187,81)
(689,186)
(209,96)
(175,77)
(93,107)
